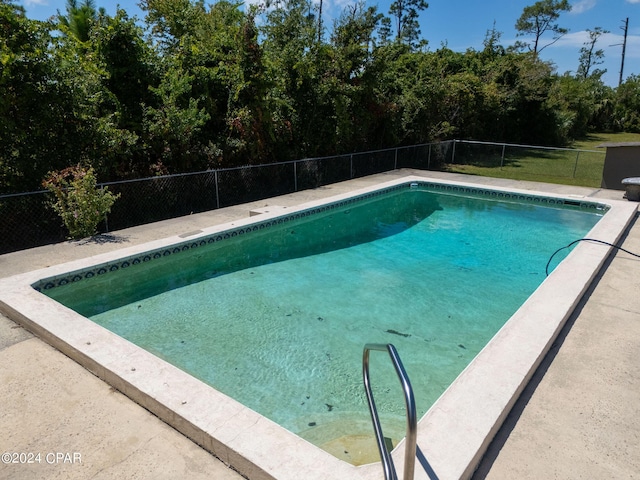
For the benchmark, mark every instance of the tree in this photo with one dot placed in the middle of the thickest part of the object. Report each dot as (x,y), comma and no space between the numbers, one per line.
(174,128)
(79,18)
(590,57)
(581,104)
(47,101)
(539,18)
(171,20)
(213,88)
(491,42)
(129,71)
(128,62)
(627,105)
(353,33)
(405,18)
(353,80)
(249,119)
(295,62)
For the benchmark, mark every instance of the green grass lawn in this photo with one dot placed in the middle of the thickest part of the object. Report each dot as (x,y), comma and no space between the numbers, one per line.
(580,165)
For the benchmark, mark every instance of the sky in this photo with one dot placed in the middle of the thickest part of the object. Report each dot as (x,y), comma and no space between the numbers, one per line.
(463,24)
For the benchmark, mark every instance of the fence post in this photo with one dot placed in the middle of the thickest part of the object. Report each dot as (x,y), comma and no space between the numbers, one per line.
(351,166)
(217,192)
(453,153)
(502,158)
(429,158)
(295,176)
(106,215)
(575,167)
(395,160)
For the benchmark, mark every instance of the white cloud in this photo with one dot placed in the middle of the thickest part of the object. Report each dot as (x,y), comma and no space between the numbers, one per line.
(633,1)
(578,39)
(343,3)
(611,43)
(583,5)
(32,3)
(633,45)
(574,39)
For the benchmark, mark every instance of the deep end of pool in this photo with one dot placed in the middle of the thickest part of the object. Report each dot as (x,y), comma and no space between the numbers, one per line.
(452,434)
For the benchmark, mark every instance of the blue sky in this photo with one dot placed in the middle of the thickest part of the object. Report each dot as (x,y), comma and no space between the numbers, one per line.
(462,24)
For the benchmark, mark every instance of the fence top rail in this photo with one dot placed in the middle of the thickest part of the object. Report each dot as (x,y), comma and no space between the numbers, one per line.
(289,162)
(201,172)
(536,147)
(22,194)
(228,169)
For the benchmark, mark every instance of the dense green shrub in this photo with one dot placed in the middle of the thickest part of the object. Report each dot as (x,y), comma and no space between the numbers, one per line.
(206,86)
(80,204)
(627,105)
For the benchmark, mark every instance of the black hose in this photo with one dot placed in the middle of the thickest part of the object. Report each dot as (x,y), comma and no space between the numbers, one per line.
(546,270)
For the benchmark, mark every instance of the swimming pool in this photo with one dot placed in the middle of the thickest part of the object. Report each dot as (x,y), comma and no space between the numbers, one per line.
(101,347)
(276,316)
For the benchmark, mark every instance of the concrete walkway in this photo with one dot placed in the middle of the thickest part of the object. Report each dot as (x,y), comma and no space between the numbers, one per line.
(579,417)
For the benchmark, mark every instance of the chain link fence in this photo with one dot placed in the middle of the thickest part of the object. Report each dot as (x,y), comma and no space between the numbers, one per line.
(29,221)
(525,162)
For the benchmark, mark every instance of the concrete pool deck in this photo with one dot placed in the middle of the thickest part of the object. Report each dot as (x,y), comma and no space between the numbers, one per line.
(579,416)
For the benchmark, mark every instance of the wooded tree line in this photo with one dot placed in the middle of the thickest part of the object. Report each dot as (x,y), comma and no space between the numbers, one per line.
(210,86)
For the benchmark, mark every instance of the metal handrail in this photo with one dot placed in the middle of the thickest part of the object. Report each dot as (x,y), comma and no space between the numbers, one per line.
(410,404)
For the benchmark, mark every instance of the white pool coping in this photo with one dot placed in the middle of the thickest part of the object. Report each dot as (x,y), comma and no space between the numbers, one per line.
(452,436)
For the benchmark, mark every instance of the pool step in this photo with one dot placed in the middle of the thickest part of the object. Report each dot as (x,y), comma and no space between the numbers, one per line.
(358,447)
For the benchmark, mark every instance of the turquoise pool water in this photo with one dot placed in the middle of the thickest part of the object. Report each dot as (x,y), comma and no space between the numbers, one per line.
(277,318)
